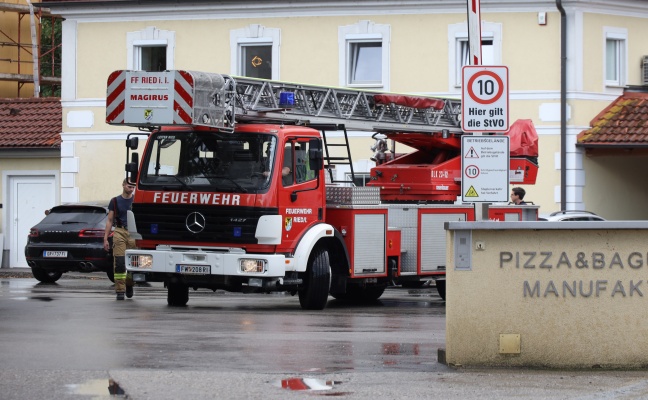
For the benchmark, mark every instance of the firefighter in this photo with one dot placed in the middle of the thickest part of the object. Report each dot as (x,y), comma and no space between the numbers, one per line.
(117,217)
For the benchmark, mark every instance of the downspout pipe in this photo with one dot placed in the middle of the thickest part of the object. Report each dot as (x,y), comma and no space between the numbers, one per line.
(563,105)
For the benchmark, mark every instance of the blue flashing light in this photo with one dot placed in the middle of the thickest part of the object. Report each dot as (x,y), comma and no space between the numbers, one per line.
(238,232)
(154,228)
(286,99)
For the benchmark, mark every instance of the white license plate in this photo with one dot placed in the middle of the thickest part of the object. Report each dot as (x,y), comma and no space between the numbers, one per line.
(54,254)
(193,269)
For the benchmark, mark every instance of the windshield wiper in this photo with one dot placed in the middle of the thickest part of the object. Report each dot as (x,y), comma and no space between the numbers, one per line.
(238,186)
(183,183)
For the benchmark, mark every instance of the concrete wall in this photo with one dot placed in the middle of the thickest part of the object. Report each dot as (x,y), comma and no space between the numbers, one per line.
(574,293)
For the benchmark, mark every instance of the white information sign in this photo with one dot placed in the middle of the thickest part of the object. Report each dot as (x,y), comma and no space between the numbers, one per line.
(484,99)
(485,168)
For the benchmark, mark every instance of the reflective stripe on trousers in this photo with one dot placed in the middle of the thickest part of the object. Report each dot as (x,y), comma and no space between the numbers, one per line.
(121,242)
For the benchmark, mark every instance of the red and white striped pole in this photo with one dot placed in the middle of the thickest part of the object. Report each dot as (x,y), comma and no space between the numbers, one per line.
(474,32)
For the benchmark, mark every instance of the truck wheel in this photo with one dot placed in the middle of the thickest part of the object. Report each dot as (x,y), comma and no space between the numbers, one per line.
(317,281)
(46,276)
(440,285)
(177,294)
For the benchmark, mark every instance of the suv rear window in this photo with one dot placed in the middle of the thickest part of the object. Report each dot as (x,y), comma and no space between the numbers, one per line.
(74,215)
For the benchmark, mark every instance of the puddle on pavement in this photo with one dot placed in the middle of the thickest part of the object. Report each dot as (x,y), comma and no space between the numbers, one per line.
(306,384)
(19,285)
(42,298)
(98,387)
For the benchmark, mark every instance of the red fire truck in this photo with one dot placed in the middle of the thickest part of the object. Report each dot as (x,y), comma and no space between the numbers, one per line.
(236,191)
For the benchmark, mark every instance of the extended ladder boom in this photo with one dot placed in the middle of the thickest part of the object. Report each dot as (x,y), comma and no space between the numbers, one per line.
(142,98)
(356,109)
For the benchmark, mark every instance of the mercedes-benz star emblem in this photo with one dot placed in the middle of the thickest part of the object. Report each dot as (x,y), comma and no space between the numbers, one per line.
(195,222)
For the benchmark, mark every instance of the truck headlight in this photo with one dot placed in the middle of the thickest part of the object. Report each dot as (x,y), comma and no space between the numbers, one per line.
(249,265)
(141,261)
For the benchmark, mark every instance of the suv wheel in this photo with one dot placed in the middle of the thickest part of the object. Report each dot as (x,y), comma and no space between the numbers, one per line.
(46,276)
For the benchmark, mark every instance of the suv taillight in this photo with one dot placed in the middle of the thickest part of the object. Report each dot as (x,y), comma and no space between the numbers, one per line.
(91,233)
(33,232)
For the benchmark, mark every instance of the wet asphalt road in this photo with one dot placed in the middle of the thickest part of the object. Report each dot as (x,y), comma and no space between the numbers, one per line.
(70,339)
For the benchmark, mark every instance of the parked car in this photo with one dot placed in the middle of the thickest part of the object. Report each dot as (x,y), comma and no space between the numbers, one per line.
(572,215)
(70,238)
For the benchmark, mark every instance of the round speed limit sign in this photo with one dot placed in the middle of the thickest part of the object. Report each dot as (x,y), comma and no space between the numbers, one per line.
(484,99)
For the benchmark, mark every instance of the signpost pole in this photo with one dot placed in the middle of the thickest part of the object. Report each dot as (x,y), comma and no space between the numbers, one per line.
(475,58)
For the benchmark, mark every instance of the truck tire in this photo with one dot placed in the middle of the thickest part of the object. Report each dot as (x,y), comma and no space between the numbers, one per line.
(317,281)
(46,276)
(177,294)
(440,285)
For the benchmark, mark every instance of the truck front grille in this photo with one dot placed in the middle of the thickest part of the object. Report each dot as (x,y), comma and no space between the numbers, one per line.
(191,223)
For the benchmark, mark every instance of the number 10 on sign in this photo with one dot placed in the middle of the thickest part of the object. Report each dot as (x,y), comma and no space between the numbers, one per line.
(484,99)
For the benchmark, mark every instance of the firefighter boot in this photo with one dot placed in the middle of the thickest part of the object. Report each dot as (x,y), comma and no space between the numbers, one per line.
(129,284)
(120,277)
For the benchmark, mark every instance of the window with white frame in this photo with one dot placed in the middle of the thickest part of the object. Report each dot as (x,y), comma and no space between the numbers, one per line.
(255,51)
(364,55)
(365,63)
(615,56)
(152,58)
(463,52)
(150,49)
(459,51)
(256,60)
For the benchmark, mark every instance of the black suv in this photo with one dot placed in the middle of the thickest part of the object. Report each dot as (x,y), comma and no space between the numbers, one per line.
(70,238)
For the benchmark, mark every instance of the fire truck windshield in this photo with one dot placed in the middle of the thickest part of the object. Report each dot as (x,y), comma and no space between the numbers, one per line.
(209,161)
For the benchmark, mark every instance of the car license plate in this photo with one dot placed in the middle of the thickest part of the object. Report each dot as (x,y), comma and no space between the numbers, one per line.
(54,254)
(193,269)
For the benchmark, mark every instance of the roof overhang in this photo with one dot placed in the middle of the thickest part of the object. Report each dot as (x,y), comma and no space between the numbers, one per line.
(29,152)
(607,149)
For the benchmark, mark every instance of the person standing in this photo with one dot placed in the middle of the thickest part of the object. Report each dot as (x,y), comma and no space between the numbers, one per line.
(117,217)
(517,196)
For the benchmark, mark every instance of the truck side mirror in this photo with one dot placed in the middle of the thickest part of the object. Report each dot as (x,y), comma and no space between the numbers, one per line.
(132,142)
(315,155)
(131,168)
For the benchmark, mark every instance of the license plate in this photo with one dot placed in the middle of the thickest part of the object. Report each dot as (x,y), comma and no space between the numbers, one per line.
(193,269)
(54,254)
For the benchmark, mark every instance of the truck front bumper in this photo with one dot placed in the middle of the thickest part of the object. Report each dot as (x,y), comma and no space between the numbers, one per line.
(231,262)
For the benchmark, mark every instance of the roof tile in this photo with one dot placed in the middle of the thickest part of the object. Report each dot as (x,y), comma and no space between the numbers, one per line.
(624,121)
(31,123)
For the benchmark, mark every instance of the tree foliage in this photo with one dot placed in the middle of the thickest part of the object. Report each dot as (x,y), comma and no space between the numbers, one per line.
(50,54)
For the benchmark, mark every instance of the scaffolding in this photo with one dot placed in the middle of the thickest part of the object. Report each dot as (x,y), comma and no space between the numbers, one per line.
(21,58)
